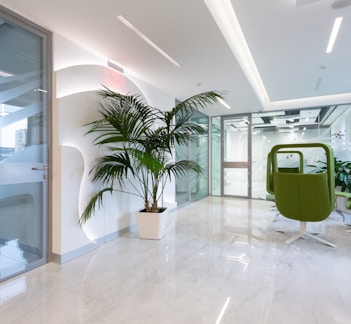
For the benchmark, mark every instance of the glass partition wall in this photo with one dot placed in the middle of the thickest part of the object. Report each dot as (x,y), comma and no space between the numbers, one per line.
(194,187)
(25,86)
(331,125)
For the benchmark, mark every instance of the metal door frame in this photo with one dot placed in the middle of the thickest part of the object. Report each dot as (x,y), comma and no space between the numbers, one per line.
(247,164)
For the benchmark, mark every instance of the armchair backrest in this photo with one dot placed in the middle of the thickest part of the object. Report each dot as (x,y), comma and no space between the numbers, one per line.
(270,174)
(299,195)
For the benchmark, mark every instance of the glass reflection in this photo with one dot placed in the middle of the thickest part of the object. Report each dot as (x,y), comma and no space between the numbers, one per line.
(12,289)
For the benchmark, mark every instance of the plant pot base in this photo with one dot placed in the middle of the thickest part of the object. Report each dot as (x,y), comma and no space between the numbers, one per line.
(152,226)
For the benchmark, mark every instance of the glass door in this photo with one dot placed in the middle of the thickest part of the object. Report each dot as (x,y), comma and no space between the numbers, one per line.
(235,153)
(24,88)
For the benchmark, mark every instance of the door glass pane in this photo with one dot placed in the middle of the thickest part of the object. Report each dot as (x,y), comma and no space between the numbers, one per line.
(23,150)
(236,139)
(236,181)
(236,156)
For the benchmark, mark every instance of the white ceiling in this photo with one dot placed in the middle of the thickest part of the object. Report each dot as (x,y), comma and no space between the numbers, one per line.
(287,44)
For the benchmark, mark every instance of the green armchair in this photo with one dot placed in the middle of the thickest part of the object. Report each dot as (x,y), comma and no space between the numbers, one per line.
(302,196)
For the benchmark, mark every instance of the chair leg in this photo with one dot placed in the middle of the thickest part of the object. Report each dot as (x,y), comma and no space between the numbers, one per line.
(321,240)
(303,233)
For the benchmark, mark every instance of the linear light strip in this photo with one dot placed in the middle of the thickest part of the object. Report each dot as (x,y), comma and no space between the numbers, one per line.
(225,17)
(334,34)
(147,40)
(222,102)
(115,65)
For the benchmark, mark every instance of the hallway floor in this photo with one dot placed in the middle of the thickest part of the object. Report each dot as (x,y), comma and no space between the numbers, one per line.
(223,260)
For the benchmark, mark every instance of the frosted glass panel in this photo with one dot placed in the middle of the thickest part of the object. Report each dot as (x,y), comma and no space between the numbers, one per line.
(236,182)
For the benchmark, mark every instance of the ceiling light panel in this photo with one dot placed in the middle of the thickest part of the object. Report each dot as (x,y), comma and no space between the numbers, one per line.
(334,34)
(300,3)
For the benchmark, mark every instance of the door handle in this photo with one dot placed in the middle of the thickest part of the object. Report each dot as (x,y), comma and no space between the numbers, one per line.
(40,168)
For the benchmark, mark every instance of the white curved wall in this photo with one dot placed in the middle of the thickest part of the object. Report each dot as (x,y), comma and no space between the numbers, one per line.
(76,105)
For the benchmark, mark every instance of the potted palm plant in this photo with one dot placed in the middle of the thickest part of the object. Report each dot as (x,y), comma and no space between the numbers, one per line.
(140,143)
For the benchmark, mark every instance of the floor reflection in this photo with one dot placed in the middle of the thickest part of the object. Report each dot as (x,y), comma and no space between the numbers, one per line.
(223,260)
(12,289)
(12,260)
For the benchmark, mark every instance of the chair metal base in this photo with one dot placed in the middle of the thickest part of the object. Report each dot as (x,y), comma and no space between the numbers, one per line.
(304,233)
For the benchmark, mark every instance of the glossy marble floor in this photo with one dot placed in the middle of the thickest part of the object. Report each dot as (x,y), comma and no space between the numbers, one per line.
(221,261)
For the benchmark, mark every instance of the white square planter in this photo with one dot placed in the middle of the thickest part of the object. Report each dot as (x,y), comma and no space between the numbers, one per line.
(152,226)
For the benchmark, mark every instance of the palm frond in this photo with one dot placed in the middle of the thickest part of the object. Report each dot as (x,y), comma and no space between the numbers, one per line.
(182,168)
(196,102)
(125,118)
(90,208)
(113,167)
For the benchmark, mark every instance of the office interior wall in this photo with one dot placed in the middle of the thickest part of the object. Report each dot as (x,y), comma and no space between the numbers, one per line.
(77,104)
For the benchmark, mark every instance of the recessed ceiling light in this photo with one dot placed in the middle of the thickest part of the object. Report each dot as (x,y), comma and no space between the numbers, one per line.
(147,40)
(222,102)
(333,34)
